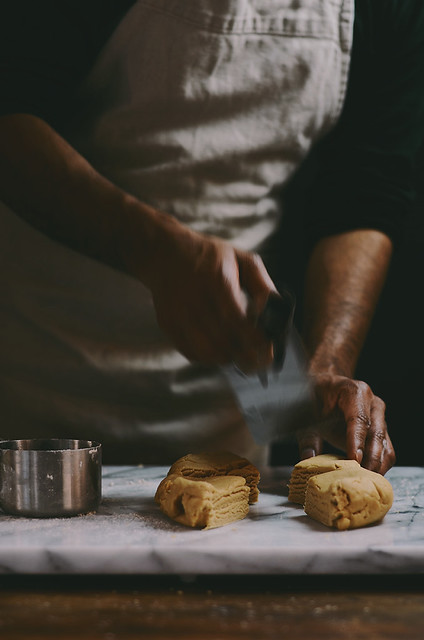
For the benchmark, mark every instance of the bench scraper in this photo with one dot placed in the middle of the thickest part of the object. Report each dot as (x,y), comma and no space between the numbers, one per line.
(280,401)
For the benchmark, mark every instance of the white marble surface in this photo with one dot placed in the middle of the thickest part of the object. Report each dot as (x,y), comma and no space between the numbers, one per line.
(129,535)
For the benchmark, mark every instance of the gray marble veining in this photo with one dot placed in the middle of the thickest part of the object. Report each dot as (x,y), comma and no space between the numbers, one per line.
(130,535)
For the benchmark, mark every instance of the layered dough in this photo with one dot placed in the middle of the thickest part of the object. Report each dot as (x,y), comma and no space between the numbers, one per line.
(209,503)
(224,463)
(348,501)
(208,490)
(305,469)
(340,493)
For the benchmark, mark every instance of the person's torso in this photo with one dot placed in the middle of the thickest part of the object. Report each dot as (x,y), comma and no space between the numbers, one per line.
(203,109)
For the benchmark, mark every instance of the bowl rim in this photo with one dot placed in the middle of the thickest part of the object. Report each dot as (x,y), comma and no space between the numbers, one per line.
(49,445)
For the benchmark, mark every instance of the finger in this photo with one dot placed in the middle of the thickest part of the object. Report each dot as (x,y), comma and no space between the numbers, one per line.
(388,459)
(255,280)
(260,289)
(379,452)
(355,401)
(367,439)
(376,440)
(309,442)
(229,307)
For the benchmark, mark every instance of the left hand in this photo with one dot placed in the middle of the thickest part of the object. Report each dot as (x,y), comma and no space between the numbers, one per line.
(353,420)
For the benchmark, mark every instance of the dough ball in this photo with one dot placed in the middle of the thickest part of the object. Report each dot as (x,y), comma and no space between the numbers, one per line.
(348,501)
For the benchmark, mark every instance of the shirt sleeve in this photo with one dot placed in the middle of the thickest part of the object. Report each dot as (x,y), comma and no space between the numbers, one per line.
(46,48)
(365,175)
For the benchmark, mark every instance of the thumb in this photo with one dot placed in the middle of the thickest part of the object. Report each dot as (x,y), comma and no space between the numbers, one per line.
(255,280)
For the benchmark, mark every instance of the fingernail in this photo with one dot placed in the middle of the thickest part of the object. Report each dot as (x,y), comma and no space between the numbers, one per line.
(307,453)
(359,455)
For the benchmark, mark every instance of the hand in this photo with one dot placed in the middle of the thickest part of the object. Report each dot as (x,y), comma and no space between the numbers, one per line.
(353,421)
(208,296)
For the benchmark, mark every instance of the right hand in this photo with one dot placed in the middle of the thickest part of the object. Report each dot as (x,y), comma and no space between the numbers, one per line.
(208,296)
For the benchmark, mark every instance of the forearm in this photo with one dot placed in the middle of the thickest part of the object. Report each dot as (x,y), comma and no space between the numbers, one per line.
(197,282)
(49,184)
(345,276)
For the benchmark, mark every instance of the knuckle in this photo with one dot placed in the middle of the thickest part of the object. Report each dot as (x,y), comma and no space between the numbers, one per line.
(381,436)
(379,404)
(363,389)
(362,418)
(362,386)
(348,387)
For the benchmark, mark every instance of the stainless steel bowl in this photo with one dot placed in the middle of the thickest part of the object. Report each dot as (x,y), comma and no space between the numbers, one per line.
(50,478)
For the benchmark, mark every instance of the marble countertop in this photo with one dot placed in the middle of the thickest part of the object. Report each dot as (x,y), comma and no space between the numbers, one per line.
(130,535)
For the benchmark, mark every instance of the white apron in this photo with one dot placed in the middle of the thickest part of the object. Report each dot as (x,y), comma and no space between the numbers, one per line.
(201,108)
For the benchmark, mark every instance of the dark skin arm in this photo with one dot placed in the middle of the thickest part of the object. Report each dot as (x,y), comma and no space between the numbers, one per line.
(198,283)
(345,275)
(51,186)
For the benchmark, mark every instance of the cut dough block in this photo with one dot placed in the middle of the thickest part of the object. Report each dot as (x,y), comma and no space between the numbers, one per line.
(209,503)
(208,465)
(348,501)
(305,469)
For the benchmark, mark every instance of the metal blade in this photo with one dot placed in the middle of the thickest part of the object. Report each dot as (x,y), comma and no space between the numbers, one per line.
(281,401)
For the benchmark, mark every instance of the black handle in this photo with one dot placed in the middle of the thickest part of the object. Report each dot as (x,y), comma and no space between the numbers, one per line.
(276,321)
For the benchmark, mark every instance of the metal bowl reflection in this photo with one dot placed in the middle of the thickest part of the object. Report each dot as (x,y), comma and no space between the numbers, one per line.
(50,477)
